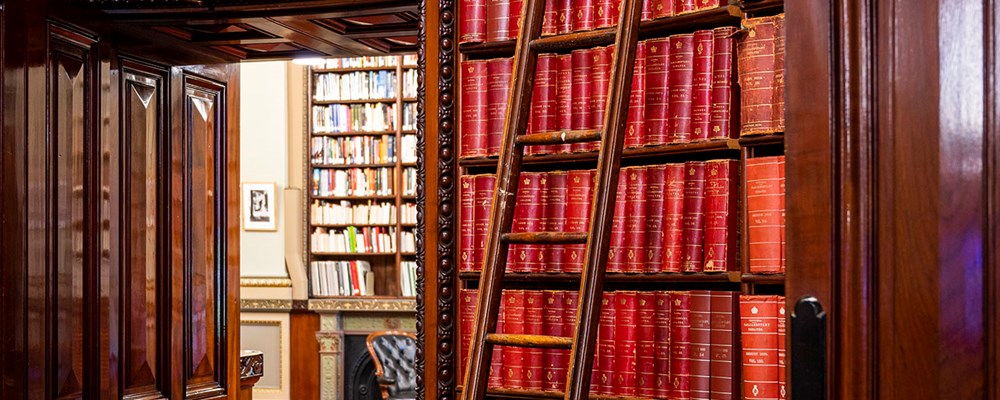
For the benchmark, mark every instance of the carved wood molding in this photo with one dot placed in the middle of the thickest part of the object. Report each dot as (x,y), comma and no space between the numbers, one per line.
(421,197)
(251,364)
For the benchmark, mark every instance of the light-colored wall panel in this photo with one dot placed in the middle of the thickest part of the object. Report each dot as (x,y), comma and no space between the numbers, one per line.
(269,333)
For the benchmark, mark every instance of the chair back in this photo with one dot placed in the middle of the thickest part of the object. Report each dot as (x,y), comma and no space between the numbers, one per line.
(395,354)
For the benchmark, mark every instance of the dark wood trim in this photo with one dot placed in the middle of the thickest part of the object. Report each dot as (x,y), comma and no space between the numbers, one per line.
(991,152)
(304,353)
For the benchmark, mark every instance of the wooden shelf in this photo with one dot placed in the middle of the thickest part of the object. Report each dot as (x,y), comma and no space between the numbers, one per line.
(355,133)
(719,146)
(762,7)
(660,27)
(409,99)
(408,164)
(326,102)
(354,198)
(733,277)
(355,69)
(348,166)
(764,279)
(762,140)
(408,254)
(409,132)
(411,66)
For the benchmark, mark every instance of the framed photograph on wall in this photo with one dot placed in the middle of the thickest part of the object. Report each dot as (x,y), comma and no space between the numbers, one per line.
(259,207)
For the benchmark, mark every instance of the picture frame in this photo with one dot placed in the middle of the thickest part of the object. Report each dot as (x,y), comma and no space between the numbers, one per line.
(259,206)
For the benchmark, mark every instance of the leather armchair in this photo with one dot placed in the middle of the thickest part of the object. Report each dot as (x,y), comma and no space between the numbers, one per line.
(394,353)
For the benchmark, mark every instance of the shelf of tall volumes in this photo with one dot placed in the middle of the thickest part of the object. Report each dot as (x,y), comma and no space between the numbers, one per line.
(363,170)
(694,295)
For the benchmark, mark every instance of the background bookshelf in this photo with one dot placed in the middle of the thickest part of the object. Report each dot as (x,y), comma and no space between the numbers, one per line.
(362,168)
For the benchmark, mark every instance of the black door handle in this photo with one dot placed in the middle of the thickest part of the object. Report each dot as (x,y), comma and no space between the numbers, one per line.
(808,352)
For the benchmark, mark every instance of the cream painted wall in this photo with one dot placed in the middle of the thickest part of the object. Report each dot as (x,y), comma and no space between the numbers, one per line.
(264,158)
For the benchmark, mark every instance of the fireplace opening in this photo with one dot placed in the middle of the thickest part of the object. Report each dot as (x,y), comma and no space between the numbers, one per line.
(359,368)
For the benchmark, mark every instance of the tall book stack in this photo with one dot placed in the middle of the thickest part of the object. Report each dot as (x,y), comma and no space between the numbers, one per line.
(698,227)
(362,164)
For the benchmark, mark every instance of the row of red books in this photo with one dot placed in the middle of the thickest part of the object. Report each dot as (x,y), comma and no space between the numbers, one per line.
(762,335)
(682,91)
(668,218)
(765,193)
(653,344)
(497,20)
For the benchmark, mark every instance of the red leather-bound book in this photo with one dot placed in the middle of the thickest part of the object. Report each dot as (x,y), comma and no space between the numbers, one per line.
(550,20)
(645,344)
(657,91)
(680,79)
(684,6)
(647,10)
(764,198)
(584,15)
(472,25)
(533,325)
(706,4)
(701,344)
(781,184)
(701,96)
(474,108)
(583,62)
(723,304)
(673,218)
(662,8)
(552,317)
(543,99)
(467,317)
(467,240)
(498,15)
(556,198)
(625,343)
(722,82)
(579,195)
(484,185)
(635,128)
(617,252)
(497,371)
(607,13)
(694,216)
(606,342)
(600,73)
(661,320)
(656,176)
(497,92)
(720,215)
(569,308)
(635,218)
(762,75)
(759,339)
(513,357)
(564,20)
(680,345)
(528,218)
(780,322)
(515,19)
(564,98)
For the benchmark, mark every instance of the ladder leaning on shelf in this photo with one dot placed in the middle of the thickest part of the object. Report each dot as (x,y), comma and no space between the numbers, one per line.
(597,239)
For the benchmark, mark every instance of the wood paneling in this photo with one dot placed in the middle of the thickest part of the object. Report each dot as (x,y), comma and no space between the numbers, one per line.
(304,354)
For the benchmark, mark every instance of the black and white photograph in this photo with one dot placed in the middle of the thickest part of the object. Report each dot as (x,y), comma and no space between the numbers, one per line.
(259,207)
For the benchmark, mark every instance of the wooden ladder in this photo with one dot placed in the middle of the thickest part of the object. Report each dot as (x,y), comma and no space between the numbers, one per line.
(597,239)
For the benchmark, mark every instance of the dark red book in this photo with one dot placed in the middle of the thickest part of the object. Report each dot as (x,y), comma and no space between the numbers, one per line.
(497,92)
(556,196)
(550,20)
(635,218)
(564,20)
(625,343)
(543,99)
(584,18)
(607,13)
(647,10)
(583,62)
(474,108)
(657,91)
(598,81)
(579,196)
(781,184)
(680,345)
(606,343)
(617,253)
(533,325)
(467,240)
(673,218)
(759,339)
(661,320)
(564,98)
(701,96)
(680,79)
(472,25)
(694,216)
(764,199)
(706,4)
(515,19)
(780,322)
(762,75)
(498,15)
(656,176)
(497,371)
(722,82)
(701,344)
(684,6)
(513,323)
(722,345)
(720,215)
(570,301)
(552,359)
(662,8)
(467,299)
(527,218)
(635,128)
(484,185)
(645,344)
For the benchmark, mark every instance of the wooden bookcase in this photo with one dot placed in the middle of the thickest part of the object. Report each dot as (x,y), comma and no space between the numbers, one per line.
(385,265)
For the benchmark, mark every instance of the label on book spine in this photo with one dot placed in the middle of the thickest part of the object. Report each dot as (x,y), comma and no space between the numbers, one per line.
(474,109)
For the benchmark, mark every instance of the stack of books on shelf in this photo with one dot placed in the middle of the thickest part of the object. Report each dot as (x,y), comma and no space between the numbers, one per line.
(341,118)
(361,85)
(353,150)
(352,213)
(360,62)
(408,278)
(356,182)
(341,278)
(368,239)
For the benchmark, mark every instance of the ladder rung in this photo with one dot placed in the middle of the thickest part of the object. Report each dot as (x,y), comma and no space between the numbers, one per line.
(575,40)
(545,238)
(559,137)
(535,341)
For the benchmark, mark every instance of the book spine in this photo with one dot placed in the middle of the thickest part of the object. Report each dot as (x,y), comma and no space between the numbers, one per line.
(467,317)
(527,218)
(474,109)
(625,343)
(564,97)
(498,13)
(543,99)
(781,189)
(759,339)
(661,320)
(564,20)
(556,203)
(484,185)
(684,6)
(514,20)
(780,328)
(694,216)
(616,254)
(570,303)
(579,195)
(662,8)
(497,371)
(635,130)
(467,227)
(584,18)
(552,317)
(680,345)
(722,82)
(550,20)
(701,344)
(606,343)
(761,76)
(607,13)
(673,218)
(656,176)
(657,90)
(583,62)
(719,218)
(533,325)
(680,77)
(706,4)
(498,93)
(472,25)
(722,345)
(600,75)
(764,198)
(701,83)
(646,13)
(645,339)
(635,219)
(513,357)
